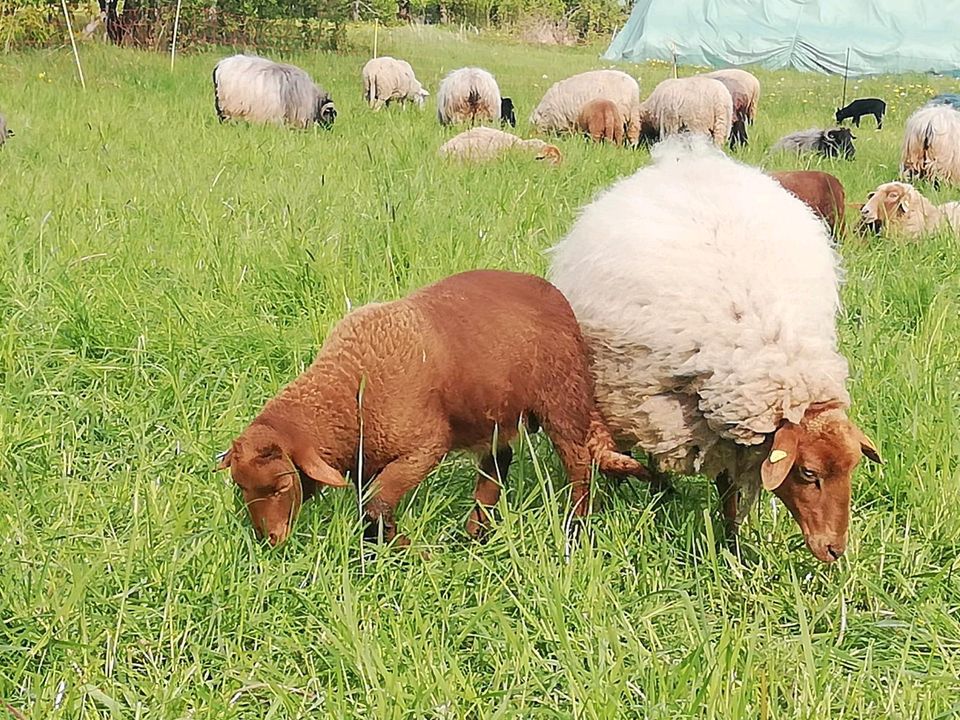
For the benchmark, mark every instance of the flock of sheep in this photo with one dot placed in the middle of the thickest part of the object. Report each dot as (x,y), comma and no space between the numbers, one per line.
(669,325)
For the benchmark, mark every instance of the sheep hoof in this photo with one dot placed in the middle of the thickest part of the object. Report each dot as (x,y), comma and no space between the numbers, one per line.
(478,525)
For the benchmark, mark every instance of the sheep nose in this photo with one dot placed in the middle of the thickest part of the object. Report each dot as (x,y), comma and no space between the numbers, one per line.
(273,538)
(835,551)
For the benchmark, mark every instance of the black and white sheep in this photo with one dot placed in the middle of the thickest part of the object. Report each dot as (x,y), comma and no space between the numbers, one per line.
(827,143)
(252,88)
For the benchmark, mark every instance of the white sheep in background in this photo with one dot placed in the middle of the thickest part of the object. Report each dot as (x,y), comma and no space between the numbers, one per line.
(252,88)
(746,82)
(468,95)
(708,295)
(386,79)
(931,144)
(693,104)
(5,132)
(484,143)
(900,207)
(560,107)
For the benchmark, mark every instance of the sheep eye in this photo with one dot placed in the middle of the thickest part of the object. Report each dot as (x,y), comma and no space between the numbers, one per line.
(809,476)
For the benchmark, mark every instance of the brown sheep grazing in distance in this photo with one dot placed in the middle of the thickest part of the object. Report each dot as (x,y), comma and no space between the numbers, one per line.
(821,191)
(601,121)
(460,364)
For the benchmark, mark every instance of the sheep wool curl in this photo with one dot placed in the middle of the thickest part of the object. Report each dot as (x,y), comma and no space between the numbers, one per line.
(468,95)
(745,82)
(708,296)
(560,107)
(386,79)
(693,104)
(253,88)
(484,143)
(931,144)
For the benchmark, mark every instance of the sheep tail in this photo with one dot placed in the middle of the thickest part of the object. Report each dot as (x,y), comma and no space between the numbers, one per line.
(604,452)
(473,103)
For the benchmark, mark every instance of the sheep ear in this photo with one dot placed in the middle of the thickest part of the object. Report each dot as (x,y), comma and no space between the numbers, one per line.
(783,454)
(867,447)
(309,462)
(224,460)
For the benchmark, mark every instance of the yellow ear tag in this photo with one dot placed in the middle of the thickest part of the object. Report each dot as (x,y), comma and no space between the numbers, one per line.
(777,455)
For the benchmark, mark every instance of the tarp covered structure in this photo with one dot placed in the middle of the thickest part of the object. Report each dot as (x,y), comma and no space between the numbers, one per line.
(883,36)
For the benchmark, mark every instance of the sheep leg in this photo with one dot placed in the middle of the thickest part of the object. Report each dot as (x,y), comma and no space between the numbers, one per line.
(394,481)
(730,504)
(856,121)
(879,118)
(493,469)
(576,461)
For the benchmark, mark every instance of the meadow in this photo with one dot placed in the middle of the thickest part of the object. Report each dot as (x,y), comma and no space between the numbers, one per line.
(162,275)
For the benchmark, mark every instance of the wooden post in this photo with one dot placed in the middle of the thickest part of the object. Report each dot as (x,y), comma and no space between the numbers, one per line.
(176,30)
(846,70)
(73,43)
(376,28)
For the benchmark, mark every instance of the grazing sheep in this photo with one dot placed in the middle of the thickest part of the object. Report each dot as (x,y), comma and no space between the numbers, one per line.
(945,99)
(508,115)
(827,143)
(386,79)
(459,364)
(5,132)
(931,144)
(822,193)
(600,120)
(468,95)
(560,107)
(861,107)
(708,295)
(484,143)
(253,88)
(693,104)
(747,83)
(738,128)
(901,208)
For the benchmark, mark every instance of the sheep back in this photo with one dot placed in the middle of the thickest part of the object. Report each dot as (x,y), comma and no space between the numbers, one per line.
(560,107)
(468,95)
(931,144)
(694,104)
(386,79)
(601,121)
(746,83)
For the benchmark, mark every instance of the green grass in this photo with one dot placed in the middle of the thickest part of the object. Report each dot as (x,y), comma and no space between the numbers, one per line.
(162,275)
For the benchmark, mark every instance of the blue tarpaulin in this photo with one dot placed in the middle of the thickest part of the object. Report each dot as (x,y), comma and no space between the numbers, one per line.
(883,36)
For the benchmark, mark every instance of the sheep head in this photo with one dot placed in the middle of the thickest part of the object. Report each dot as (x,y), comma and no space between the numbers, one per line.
(550,153)
(839,141)
(809,466)
(275,479)
(887,205)
(326,111)
(421,97)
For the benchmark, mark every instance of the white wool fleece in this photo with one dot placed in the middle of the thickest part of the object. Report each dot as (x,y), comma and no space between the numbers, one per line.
(708,294)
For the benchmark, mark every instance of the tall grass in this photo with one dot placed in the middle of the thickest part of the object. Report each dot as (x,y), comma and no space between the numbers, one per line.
(162,275)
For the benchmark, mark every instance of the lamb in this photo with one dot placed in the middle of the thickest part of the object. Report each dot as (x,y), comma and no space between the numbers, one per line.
(931,144)
(902,208)
(5,132)
(820,191)
(468,95)
(826,143)
(484,143)
(460,364)
(559,110)
(260,90)
(600,120)
(744,90)
(386,79)
(859,108)
(708,296)
(694,104)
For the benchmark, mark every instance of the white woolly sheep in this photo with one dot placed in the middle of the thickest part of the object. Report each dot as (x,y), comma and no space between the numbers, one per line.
(468,95)
(709,295)
(5,132)
(931,144)
(386,79)
(746,83)
(484,143)
(693,104)
(560,107)
(900,207)
(253,88)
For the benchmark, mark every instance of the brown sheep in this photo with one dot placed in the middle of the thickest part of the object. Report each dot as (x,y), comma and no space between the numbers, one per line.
(822,192)
(601,121)
(459,364)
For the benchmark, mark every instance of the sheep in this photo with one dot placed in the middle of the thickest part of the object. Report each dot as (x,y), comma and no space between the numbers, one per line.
(826,143)
(746,82)
(5,132)
(820,191)
(460,364)
(931,144)
(861,107)
(468,95)
(695,104)
(902,208)
(600,120)
(560,107)
(945,99)
(260,90)
(508,114)
(386,79)
(708,297)
(484,143)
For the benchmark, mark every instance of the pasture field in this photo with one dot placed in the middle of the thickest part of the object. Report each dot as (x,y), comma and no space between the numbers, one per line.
(162,275)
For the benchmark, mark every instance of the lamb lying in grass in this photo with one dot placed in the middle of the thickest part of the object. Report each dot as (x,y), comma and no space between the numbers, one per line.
(460,364)
(484,143)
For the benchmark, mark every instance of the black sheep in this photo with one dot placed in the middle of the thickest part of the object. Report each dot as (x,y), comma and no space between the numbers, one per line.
(863,106)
